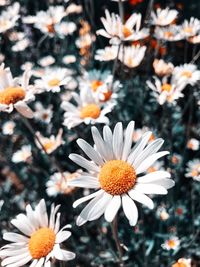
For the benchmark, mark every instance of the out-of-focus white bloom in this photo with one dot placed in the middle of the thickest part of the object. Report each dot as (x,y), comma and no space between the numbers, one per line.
(193,170)
(43,114)
(22,155)
(115,170)
(27,65)
(9,17)
(163,17)
(21,45)
(138,133)
(46,61)
(49,144)
(162,68)
(171,33)
(171,244)
(16,36)
(8,128)
(88,110)
(52,79)
(191,28)
(116,31)
(183,263)
(47,21)
(193,144)
(187,73)
(106,54)
(69,59)
(15,92)
(194,39)
(162,213)
(85,40)
(58,183)
(167,92)
(65,28)
(131,56)
(40,239)
(4,2)
(2,58)
(73,8)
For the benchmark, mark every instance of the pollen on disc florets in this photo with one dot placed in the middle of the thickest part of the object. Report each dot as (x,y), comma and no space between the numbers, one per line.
(117,177)
(54,82)
(11,95)
(90,111)
(41,242)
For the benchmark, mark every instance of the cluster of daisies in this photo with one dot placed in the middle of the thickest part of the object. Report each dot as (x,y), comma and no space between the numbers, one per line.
(120,165)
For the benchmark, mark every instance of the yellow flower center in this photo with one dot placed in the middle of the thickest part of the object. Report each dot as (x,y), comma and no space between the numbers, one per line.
(95,84)
(171,243)
(187,74)
(90,111)
(11,95)
(41,242)
(50,28)
(48,145)
(117,177)
(166,87)
(179,264)
(126,31)
(168,34)
(54,82)
(188,30)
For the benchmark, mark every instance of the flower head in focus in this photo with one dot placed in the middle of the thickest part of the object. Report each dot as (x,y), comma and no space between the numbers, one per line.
(116,171)
(187,73)
(131,56)
(40,239)
(162,68)
(163,17)
(191,28)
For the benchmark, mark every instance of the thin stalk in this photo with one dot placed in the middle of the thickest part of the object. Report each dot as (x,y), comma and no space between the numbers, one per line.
(195,57)
(121,10)
(117,242)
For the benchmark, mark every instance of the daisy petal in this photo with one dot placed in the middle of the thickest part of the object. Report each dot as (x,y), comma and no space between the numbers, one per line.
(139,197)
(130,209)
(112,208)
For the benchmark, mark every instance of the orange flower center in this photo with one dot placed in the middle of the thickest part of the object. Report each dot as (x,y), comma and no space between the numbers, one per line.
(187,74)
(95,84)
(166,87)
(48,145)
(41,242)
(107,96)
(168,34)
(90,111)
(179,264)
(117,177)
(126,31)
(171,243)
(50,28)
(11,95)
(54,82)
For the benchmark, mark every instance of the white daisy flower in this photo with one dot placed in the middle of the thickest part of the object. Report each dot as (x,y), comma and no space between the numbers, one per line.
(171,33)
(52,79)
(65,28)
(187,73)
(46,61)
(87,111)
(40,239)
(191,28)
(182,262)
(43,114)
(162,213)
(162,68)
(194,39)
(8,128)
(73,8)
(9,17)
(117,31)
(116,170)
(193,144)
(171,244)
(68,59)
(131,56)
(193,170)
(21,45)
(167,91)
(58,184)
(106,54)
(22,155)
(15,92)
(163,17)
(50,144)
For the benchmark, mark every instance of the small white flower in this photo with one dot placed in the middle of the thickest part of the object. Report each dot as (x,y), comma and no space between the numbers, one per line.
(46,61)
(65,28)
(69,59)
(162,213)
(116,171)
(9,17)
(131,56)
(171,244)
(21,45)
(163,17)
(191,28)
(50,144)
(40,239)
(22,155)
(162,68)
(106,54)
(8,128)
(187,73)
(73,8)
(193,144)
(171,33)
(15,93)
(116,31)
(88,110)
(52,79)
(43,114)
(167,91)
(193,170)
